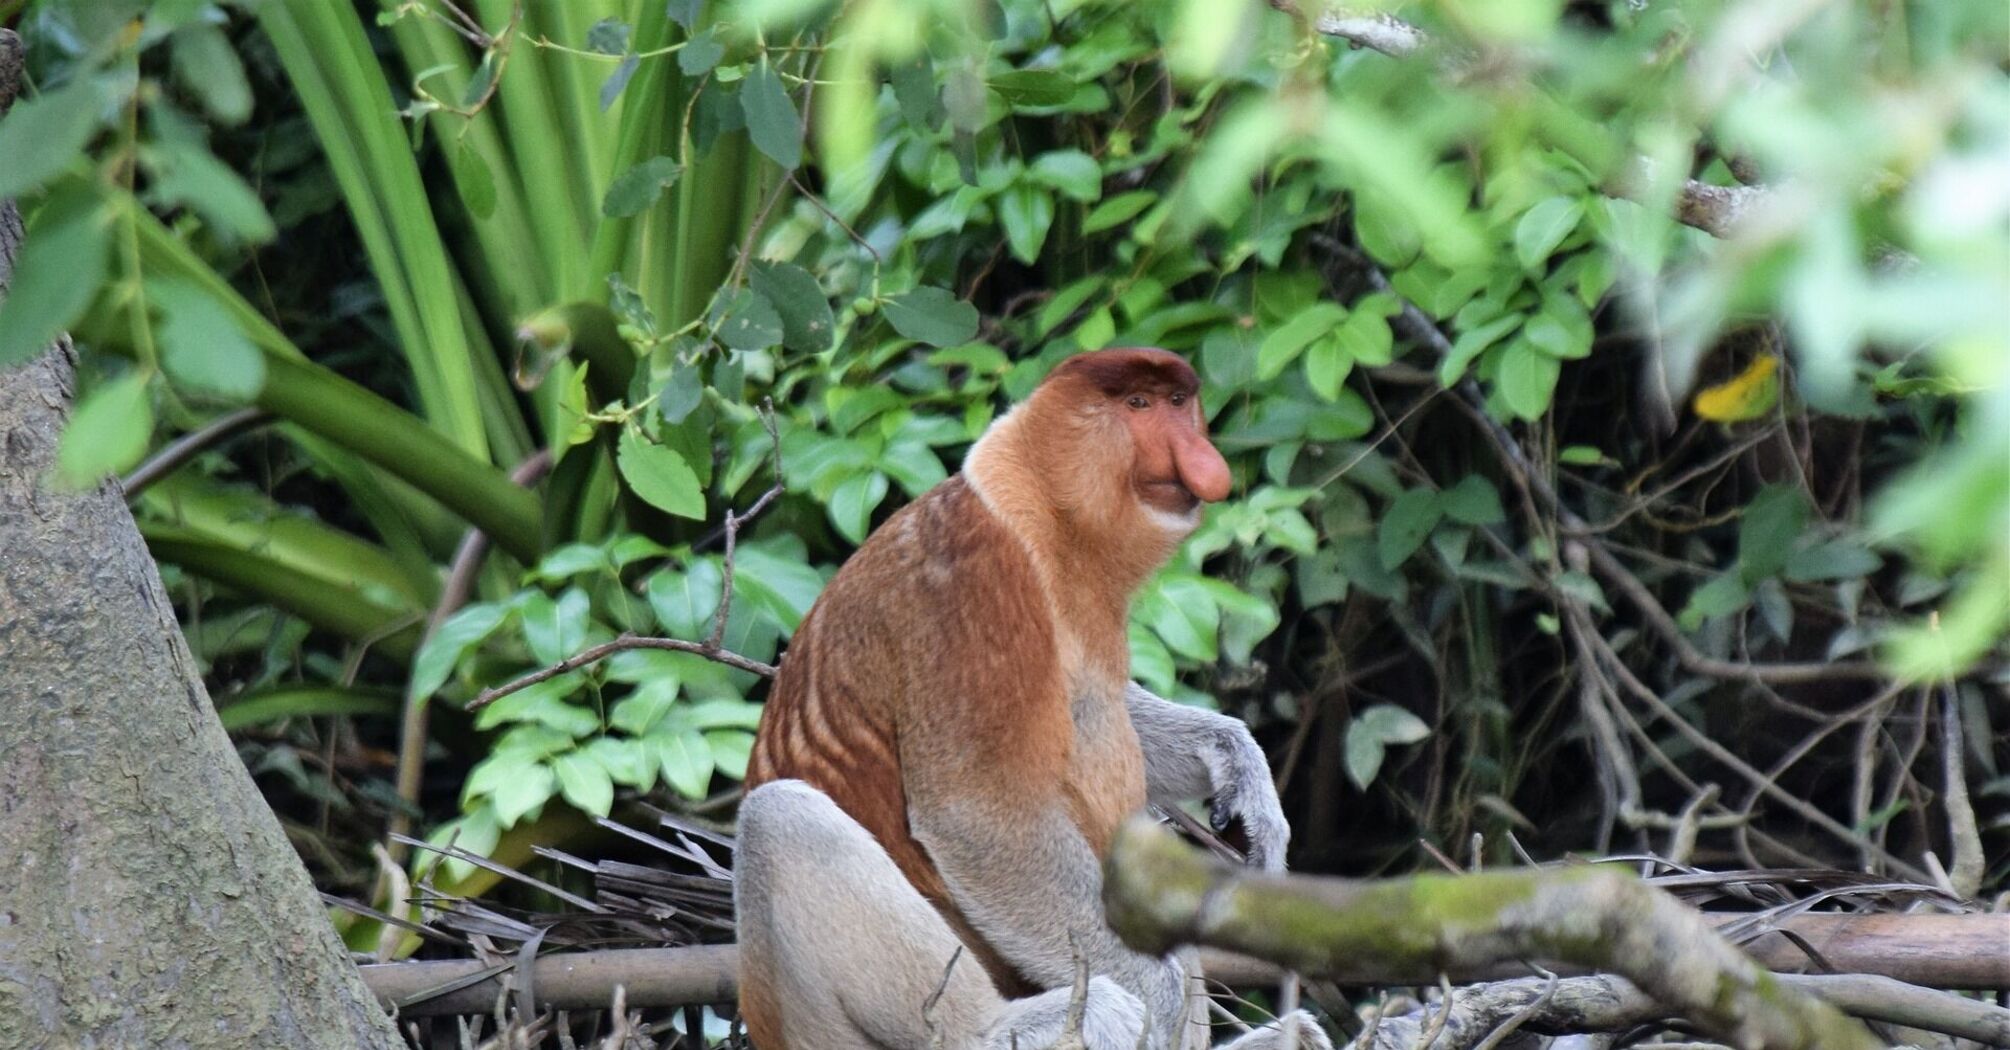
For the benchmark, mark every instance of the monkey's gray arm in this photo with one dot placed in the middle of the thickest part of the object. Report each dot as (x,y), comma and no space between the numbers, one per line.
(1193,754)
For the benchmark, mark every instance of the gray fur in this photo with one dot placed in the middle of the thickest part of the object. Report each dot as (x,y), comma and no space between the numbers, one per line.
(1191,754)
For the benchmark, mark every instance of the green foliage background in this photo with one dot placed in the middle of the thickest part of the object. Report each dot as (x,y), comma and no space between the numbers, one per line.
(1482,551)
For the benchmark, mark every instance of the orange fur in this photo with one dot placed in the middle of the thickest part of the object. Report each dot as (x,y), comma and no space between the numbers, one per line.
(982,627)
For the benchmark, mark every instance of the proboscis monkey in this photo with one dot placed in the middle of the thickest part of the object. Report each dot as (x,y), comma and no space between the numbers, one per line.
(954,736)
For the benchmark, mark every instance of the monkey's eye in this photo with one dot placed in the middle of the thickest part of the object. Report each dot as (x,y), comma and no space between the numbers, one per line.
(1138,401)
(1178,400)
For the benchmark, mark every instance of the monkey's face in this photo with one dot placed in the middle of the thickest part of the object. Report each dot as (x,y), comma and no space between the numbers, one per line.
(1153,397)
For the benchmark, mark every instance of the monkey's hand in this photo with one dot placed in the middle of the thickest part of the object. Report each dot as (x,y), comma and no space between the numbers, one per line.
(1194,754)
(1294,1031)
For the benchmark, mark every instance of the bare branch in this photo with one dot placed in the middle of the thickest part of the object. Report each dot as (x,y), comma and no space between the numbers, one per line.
(619,645)
(1375,30)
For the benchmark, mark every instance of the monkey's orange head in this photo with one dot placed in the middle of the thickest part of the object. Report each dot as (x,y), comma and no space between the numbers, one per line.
(1143,405)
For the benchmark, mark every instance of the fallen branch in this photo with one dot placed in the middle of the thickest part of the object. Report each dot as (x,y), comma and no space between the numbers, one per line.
(1160,894)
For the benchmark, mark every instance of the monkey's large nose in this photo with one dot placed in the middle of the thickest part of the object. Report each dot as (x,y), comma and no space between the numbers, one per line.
(1201,468)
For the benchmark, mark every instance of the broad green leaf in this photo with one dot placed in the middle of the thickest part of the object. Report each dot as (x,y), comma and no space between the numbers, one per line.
(202,348)
(1365,338)
(914,465)
(556,629)
(43,135)
(684,602)
(518,795)
(1405,525)
(1473,501)
(686,759)
(932,316)
(544,704)
(628,762)
(1561,330)
(1283,345)
(1117,210)
(1369,736)
(1527,379)
(1385,232)
(442,652)
(617,81)
(1228,356)
(750,322)
(60,267)
(807,322)
(915,92)
(1766,534)
(1834,560)
(205,65)
(1720,597)
(609,36)
(660,476)
(1026,211)
(1543,227)
(852,504)
(772,120)
(634,190)
(477,185)
(1471,343)
(1033,87)
(700,53)
(109,432)
(639,711)
(731,748)
(1074,173)
(1327,365)
(190,175)
(584,782)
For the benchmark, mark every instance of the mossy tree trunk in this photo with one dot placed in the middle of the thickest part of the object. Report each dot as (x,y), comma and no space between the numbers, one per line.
(147,895)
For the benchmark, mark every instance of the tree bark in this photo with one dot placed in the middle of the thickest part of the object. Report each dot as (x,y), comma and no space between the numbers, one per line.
(147,894)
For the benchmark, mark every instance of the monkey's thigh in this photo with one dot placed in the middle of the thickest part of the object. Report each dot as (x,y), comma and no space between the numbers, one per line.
(837,943)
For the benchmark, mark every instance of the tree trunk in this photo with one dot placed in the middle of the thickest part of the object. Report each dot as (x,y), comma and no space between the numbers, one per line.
(147,895)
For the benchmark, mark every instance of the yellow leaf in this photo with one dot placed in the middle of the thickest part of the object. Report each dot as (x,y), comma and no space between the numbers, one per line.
(1749,395)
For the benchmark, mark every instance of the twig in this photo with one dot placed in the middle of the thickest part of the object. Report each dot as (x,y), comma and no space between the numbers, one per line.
(1375,30)
(184,448)
(619,645)
(734,521)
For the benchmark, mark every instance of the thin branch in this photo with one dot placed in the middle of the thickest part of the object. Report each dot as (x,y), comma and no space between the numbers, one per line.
(1375,30)
(184,448)
(734,521)
(619,645)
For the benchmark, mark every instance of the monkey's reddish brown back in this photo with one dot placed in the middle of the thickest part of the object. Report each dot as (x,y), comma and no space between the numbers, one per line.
(971,622)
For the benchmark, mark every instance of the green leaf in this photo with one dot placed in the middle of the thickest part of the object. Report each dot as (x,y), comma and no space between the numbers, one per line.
(660,476)
(1473,501)
(915,92)
(1385,232)
(1543,227)
(700,53)
(634,190)
(639,711)
(807,322)
(852,504)
(1720,597)
(43,135)
(609,36)
(442,652)
(519,794)
(1369,736)
(190,175)
(1834,560)
(1766,535)
(1585,456)
(686,758)
(1561,330)
(1471,343)
(477,185)
(1405,525)
(931,315)
(202,348)
(1026,211)
(1283,344)
(584,783)
(206,66)
(1034,87)
(60,267)
(629,762)
(1365,338)
(749,322)
(555,628)
(1527,379)
(772,121)
(1327,366)
(1119,209)
(617,81)
(109,432)
(1074,174)
(731,748)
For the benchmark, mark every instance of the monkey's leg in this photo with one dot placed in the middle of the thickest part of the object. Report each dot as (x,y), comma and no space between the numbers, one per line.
(839,952)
